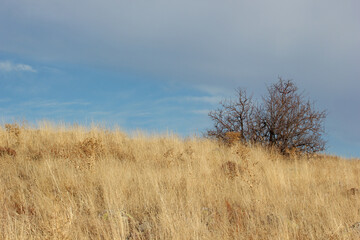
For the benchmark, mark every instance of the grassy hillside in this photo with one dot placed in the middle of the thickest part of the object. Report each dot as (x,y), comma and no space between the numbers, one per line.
(78,183)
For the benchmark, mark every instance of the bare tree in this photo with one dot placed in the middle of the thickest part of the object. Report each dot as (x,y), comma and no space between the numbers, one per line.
(291,120)
(233,116)
(285,119)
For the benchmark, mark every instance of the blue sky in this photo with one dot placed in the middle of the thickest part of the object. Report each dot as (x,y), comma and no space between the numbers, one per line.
(162,65)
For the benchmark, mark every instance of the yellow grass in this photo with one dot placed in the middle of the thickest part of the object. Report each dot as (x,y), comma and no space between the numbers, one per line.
(78,183)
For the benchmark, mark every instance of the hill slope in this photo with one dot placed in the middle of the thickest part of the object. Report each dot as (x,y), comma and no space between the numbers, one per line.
(78,183)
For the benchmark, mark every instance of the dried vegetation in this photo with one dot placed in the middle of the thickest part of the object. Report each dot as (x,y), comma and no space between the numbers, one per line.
(76,183)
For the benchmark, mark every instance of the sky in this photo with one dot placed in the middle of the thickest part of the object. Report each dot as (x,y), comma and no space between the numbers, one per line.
(162,65)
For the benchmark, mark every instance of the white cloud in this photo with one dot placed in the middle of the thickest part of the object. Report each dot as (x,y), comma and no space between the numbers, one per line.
(8,66)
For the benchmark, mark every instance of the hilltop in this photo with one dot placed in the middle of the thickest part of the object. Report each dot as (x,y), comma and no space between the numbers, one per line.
(72,182)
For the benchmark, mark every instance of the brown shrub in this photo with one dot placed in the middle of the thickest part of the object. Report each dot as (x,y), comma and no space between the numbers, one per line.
(353,191)
(242,151)
(20,209)
(34,154)
(232,137)
(230,169)
(13,132)
(291,152)
(235,217)
(13,129)
(7,151)
(91,147)
(58,152)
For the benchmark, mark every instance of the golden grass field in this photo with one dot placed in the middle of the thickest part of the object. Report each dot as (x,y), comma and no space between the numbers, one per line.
(72,182)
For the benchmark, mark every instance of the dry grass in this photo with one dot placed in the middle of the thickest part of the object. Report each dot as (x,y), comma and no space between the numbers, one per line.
(77,183)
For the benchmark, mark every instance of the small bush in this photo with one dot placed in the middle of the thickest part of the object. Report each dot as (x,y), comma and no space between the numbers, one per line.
(7,151)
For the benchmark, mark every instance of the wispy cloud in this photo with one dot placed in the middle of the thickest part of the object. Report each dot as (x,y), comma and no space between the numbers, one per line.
(203,99)
(7,66)
(53,103)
